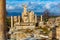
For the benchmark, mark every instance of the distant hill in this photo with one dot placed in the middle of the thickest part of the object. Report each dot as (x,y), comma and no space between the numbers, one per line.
(37,13)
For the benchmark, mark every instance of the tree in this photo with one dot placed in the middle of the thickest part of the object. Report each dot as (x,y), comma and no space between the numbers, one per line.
(8,22)
(2,19)
(46,15)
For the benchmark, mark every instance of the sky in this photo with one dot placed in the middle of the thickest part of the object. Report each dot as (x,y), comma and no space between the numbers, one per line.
(33,5)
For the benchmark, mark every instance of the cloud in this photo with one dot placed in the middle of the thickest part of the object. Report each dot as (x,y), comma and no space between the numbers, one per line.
(49,4)
(10,7)
(35,6)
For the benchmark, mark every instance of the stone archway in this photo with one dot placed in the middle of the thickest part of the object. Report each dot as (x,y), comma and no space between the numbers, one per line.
(2,19)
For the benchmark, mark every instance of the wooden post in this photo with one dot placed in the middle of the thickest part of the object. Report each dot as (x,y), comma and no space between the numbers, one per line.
(2,19)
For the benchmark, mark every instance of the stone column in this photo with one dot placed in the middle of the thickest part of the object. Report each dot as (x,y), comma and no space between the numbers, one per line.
(41,21)
(35,18)
(12,36)
(19,19)
(2,19)
(15,19)
(12,21)
(41,18)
